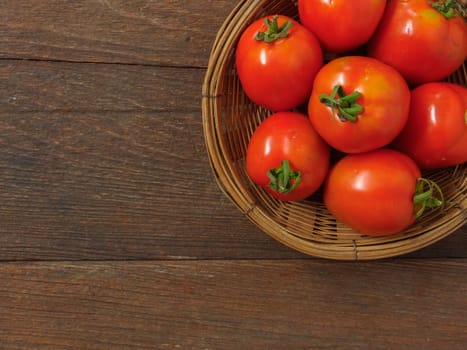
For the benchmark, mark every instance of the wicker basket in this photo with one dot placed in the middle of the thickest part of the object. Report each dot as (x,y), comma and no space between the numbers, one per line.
(229,119)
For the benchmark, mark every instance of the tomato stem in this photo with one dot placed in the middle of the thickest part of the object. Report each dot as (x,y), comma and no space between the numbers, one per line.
(346,106)
(449,8)
(283,179)
(425,197)
(274,31)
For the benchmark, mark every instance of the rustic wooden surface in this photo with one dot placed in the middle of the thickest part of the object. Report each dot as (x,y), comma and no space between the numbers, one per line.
(113,234)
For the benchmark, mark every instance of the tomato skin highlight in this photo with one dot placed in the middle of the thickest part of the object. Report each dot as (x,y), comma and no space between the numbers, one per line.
(421,43)
(436,132)
(341,25)
(278,75)
(373,192)
(385,98)
(288,136)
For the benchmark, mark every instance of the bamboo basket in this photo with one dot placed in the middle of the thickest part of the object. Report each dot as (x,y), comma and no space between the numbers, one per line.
(229,119)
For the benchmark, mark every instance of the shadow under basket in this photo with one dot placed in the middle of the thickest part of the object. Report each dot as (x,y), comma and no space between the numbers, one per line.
(229,119)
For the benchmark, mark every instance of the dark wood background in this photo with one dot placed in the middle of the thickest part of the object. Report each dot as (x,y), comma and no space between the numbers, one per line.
(113,233)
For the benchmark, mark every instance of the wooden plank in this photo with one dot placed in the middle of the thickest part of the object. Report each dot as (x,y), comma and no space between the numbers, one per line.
(123,185)
(299,304)
(50,86)
(175,33)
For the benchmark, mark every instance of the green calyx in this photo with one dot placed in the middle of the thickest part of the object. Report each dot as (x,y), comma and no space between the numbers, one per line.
(273,31)
(449,8)
(283,179)
(346,105)
(427,195)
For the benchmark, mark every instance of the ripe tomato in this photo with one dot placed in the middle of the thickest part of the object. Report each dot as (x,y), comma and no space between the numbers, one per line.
(277,60)
(341,25)
(436,132)
(379,192)
(287,157)
(358,104)
(424,40)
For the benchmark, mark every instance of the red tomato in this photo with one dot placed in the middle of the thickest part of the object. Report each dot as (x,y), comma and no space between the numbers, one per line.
(341,25)
(287,157)
(277,60)
(436,132)
(378,193)
(419,41)
(358,104)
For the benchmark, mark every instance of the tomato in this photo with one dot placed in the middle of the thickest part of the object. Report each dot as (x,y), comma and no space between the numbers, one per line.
(277,60)
(378,192)
(358,104)
(421,42)
(436,132)
(341,25)
(287,157)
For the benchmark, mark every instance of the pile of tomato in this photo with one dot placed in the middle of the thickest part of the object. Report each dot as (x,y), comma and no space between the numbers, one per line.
(359,105)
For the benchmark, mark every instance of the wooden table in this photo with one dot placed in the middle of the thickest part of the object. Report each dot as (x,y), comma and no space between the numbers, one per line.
(113,233)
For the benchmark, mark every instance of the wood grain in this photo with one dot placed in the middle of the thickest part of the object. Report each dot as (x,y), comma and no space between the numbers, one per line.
(50,86)
(299,304)
(174,33)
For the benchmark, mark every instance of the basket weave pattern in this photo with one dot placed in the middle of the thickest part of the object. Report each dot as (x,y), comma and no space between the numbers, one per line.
(229,119)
